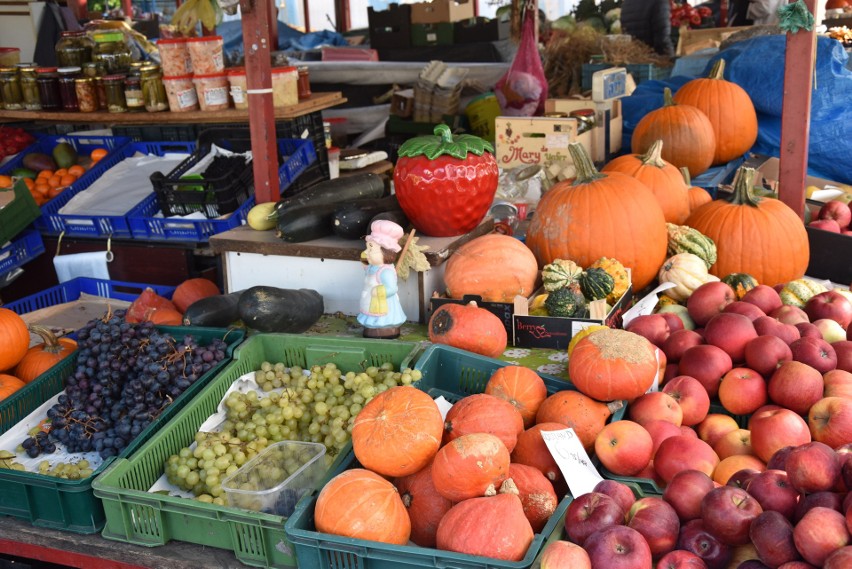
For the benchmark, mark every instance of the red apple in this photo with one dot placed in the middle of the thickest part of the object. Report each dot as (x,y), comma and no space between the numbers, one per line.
(673,320)
(695,537)
(765,353)
(651,474)
(773,429)
(708,300)
(624,447)
(778,460)
(707,364)
(830,500)
(843,349)
(830,421)
(839,559)
(813,467)
(731,332)
(657,521)
(772,536)
(830,304)
(652,327)
(815,352)
(733,443)
(734,464)
(655,405)
(764,297)
(846,231)
(741,478)
(825,225)
(769,326)
(660,430)
(773,491)
(831,331)
(561,554)
(685,492)
(789,314)
(691,396)
(838,211)
(747,309)
(618,547)
(678,342)
(767,407)
(819,533)
(671,372)
(590,512)
(808,330)
(796,386)
(684,453)
(688,432)
(616,490)
(751,564)
(681,312)
(837,383)
(743,390)
(844,455)
(680,559)
(797,565)
(727,513)
(714,426)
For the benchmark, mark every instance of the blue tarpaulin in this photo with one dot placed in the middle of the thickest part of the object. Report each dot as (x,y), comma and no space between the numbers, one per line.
(289,39)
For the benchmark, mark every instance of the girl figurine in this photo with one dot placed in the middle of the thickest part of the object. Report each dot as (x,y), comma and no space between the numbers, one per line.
(380,311)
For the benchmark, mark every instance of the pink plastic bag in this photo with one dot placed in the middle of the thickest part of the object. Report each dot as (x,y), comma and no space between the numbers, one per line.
(522,91)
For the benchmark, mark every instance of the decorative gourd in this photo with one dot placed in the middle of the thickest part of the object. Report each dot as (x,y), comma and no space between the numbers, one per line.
(663,179)
(491,527)
(799,291)
(559,274)
(397,432)
(144,302)
(361,504)
(687,271)
(536,493)
(620,277)
(567,302)
(697,196)
(468,327)
(613,364)
(532,451)
(687,135)
(425,506)
(42,357)
(580,412)
(14,339)
(564,225)
(8,385)
(520,386)
(759,236)
(470,466)
(483,413)
(496,267)
(741,283)
(191,290)
(596,284)
(537,307)
(729,108)
(685,239)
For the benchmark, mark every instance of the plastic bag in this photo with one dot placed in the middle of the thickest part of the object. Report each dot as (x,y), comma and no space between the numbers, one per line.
(522,91)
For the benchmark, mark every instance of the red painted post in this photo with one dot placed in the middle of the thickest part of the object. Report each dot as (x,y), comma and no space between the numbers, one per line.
(796,116)
(256,46)
(127,8)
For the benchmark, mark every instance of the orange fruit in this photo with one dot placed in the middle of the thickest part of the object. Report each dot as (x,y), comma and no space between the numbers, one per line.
(68,179)
(98,153)
(45,174)
(53,192)
(41,189)
(29,183)
(77,170)
(54,181)
(60,172)
(5,181)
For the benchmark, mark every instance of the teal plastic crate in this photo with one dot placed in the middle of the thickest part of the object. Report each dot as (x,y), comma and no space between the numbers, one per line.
(56,503)
(134,515)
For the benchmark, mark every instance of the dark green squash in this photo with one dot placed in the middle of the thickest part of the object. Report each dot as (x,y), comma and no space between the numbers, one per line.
(567,302)
(596,283)
(305,223)
(352,220)
(271,309)
(337,191)
(741,283)
(218,311)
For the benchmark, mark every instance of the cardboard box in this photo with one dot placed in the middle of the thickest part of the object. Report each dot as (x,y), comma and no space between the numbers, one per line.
(439,11)
(390,28)
(525,141)
(423,35)
(482,29)
(502,310)
(555,333)
(690,41)
(605,142)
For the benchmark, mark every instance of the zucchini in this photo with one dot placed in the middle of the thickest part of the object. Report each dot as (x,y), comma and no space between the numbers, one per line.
(271,309)
(395,215)
(305,223)
(335,191)
(352,220)
(218,311)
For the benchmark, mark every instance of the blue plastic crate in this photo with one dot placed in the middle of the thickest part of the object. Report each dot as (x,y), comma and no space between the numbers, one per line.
(26,247)
(71,290)
(79,225)
(298,153)
(716,175)
(84,145)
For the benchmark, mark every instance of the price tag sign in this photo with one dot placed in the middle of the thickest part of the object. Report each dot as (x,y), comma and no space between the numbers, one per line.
(609,84)
(573,461)
(646,305)
(444,406)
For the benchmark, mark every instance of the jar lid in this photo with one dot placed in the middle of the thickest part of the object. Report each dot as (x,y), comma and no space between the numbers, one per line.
(209,76)
(72,69)
(26,65)
(8,70)
(83,80)
(148,67)
(204,38)
(113,77)
(276,70)
(176,77)
(171,41)
(109,37)
(46,70)
(236,71)
(303,69)
(74,34)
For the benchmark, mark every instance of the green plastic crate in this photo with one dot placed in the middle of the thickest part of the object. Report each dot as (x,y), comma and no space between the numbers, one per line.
(18,213)
(70,505)
(136,516)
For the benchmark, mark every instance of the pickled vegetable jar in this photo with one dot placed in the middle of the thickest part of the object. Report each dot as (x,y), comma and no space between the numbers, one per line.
(94,69)
(116,99)
(47,80)
(87,96)
(29,87)
(67,88)
(74,49)
(113,52)
(10,84)
(153,90)
(133,93)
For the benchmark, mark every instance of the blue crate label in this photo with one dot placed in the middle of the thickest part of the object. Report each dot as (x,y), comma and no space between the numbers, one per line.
(572,459)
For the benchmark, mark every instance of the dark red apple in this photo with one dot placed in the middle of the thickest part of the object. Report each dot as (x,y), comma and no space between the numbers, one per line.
(843,349)
(813,467)
(753,564)
(772,536)
(797,565)
(618,547)
(685,492)
(789,314)
(808,330)
(657,521)
(773,491)
(778,460)
(741,478)
(825,225)
(678,342)
(708,300)
(764,297)
(691,396)
(590,512)
(680,559)
(819,533)
(671,372)
(838,211)
(684,453)
(765,353)
(772,429)
(731,332)
(830,500)
(815,352)
(769,326)
(618,491)
(747,309)
(652,327)
(839,559)
(707,364)
(830,304)
(830,421)
(696,538)
(674,321)
(727,513)
(796,386)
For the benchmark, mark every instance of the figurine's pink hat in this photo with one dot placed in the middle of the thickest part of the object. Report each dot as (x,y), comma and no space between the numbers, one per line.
(386,234)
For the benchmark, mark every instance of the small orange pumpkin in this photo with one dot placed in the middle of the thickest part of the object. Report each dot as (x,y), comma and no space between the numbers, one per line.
(14,339)
(536,493)
(164,316)
(42,357)
(483,413)
(468,327)
(191,290)
(697,196)
(425,506)
(532,451)
(470,466)
(585,415)
(520,386)
(9,385)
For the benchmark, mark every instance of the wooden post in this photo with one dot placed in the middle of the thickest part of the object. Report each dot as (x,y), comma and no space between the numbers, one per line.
(796,116)
(127,8)
(256,46)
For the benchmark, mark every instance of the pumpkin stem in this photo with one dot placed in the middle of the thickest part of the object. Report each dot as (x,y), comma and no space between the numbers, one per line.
(509,487)
(654,156)
(614,406)
(718,70)
(586,171)
(51,344)
(744,188)
(668,100)
(686,177)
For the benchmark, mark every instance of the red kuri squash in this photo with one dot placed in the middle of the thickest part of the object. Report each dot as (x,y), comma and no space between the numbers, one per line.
(164,316)
(42,357)
(425,506)
(191,290)
(520,386)
(483,413)
(470,466)
(536,493)
(14,339)
(468,327)
(8,385)
(532,451)
(145,301)
(585,415)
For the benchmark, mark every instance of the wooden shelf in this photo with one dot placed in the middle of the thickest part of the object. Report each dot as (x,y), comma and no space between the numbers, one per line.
(317,102)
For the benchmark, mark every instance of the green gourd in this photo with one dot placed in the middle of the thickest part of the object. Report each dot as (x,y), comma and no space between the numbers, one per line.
(596,283)
(684,239)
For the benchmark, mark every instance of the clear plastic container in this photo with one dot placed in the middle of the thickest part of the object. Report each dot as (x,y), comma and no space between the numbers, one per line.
(212,91)
(285,90)
(237,80)
(9,56)
(277,478)
(207,54)
(174,57)
(181,93)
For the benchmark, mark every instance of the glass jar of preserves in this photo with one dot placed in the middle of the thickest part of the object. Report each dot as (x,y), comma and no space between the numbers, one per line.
(47,80)
(94,69)
(67,88)
(136,68)
(304,83)
(10,83)
(101,90)
(116,100)
(153,89)
(113,52)
(29,87)
(87,96)
(133,93)
(74,49)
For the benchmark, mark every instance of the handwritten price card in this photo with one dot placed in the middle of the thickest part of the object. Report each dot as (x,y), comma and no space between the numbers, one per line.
(571,457)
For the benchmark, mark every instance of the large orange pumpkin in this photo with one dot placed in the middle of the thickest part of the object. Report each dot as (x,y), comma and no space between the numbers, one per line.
(600,215)
(686,132)
(697,196)
(483,413)
(14,339)
(191,290)
(729,108)
(759,236)
(496,267)
(425,506)
(398,432)
(661,177)
(573,409)
(42,357)
(470,466)
(9,385)
(468,327)
(520,386)
(361,504)
(612,364)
